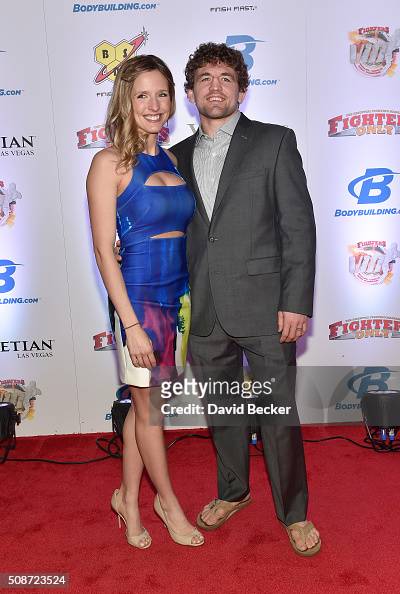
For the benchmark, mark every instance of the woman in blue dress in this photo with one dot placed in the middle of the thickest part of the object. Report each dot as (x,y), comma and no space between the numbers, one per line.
(135,189)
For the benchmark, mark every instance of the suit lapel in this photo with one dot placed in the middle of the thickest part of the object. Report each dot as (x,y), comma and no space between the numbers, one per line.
(232,162)
(188,171)
(199,200)
(185,166)
(233,159)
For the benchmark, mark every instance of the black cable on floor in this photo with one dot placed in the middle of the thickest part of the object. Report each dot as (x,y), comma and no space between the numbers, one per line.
(57,461)
(376,445)
(111,443)
(181,437)
(112,447)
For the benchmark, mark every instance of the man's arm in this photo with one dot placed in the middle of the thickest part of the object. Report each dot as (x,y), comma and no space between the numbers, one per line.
(297,233)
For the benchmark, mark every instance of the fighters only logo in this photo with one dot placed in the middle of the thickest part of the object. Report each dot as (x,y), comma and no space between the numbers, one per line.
(111,57)
(95,137)
(380,121)
(370,327)
(104,341)
(374,51)
(372,262)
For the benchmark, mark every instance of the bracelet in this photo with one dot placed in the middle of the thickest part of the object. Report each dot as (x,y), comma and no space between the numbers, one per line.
(132,325)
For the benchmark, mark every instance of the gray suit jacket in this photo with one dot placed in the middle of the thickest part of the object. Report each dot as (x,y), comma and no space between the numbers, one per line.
(257,254)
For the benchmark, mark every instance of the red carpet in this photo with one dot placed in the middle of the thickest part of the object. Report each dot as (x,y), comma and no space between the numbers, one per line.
(57,519)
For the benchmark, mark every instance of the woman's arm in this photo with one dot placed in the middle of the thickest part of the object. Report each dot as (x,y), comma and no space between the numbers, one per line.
(102,190)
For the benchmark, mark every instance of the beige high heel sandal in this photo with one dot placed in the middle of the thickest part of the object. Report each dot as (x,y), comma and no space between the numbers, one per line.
(182,539)
(132,540)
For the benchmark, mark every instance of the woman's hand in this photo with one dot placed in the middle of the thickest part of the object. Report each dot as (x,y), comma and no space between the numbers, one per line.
(140,348)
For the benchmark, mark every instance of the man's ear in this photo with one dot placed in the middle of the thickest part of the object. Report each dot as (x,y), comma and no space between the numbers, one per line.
(242,95)
(190,95)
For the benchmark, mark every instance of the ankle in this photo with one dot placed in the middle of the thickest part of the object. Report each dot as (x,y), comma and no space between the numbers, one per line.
(128,498)
(169,503)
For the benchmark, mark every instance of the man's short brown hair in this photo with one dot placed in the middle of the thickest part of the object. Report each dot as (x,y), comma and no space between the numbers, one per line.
(213,53)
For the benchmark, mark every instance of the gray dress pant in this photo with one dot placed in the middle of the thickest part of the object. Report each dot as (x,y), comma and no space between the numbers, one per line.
(219,357)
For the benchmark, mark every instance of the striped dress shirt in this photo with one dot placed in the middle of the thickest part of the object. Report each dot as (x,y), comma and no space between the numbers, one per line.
(208,160)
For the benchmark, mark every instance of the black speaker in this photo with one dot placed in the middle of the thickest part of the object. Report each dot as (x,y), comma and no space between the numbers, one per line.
(381,408)
(8,419)
(119,410)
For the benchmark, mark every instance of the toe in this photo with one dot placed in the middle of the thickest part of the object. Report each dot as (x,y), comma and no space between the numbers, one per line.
(299,540)
(312,539)
(207,517)
(211,517)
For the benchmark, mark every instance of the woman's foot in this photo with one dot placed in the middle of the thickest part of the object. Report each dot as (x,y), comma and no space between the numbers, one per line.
(178,525)
(128,510)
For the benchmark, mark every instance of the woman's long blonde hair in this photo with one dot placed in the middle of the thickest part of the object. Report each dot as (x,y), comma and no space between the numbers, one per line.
(120,127)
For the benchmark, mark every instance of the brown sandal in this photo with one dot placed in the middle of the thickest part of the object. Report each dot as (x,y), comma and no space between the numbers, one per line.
(304,531)
(228,512)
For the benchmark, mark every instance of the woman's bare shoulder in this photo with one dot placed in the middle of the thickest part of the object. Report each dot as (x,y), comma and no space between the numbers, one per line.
(107,156)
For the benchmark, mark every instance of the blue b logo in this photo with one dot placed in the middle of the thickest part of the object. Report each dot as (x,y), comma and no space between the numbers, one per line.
(372,378)
(7,269)
(249,46)
(374,186)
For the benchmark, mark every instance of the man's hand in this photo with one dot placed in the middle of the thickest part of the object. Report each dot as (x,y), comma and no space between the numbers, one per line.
(291,325)
(117,247)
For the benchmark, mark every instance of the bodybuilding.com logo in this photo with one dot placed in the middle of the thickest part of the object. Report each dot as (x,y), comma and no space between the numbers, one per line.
(7,284)
(371,188)
(359,382)
(371,378)
(114,7)
(246,45)
(10,92)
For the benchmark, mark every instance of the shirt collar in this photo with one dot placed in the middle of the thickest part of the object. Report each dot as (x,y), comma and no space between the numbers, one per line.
(228,127)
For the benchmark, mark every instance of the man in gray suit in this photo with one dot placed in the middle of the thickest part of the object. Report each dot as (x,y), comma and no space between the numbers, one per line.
(251,258)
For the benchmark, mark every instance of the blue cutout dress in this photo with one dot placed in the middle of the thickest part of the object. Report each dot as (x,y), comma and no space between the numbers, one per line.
(155,269)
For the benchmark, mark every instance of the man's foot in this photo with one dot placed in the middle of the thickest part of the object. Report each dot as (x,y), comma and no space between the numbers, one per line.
(304,538)
(217,512)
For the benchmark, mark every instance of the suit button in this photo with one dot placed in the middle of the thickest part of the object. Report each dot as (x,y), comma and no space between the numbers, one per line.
(212,239)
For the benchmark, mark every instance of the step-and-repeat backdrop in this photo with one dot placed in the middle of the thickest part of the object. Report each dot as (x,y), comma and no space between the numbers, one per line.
(330,72)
